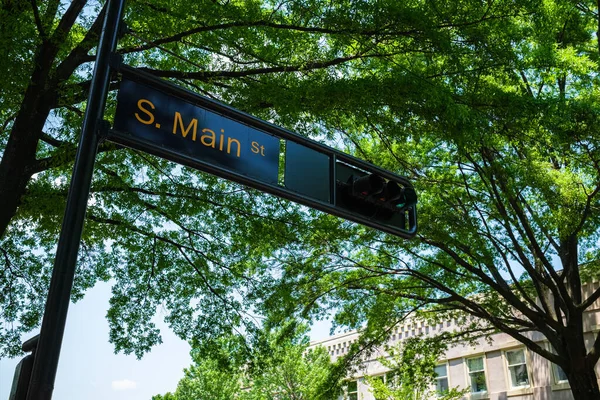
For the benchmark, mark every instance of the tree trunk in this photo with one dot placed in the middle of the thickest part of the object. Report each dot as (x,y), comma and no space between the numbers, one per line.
(580,366)
(20,150)
(584,384)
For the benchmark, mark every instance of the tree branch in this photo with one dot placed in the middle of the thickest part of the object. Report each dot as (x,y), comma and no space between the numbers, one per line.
(67,21)
(65,155)
(261,23)
(50,14)
(537,317)
(38,21)
(472,308)
(587,209)
(206,75)
(590,300)
(558,290)
(52,141)
(593,355)
(78,55)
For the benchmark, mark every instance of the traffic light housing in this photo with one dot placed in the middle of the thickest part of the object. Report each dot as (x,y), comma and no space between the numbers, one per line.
(374,196)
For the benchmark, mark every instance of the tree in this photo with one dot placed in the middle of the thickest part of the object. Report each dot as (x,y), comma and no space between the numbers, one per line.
(218,372)
(294,372)
(205,380)
(496,123)
(281,368)
(166,235)
(412,373)
(491,107)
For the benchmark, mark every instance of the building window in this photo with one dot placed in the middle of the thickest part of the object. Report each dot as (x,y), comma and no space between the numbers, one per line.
(441,379)
(352,390)
(517,368)
(391,379)
(559,374)
(382,379)
(559,377)
(476,375)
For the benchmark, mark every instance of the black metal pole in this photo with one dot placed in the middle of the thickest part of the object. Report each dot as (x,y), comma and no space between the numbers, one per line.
(47,354)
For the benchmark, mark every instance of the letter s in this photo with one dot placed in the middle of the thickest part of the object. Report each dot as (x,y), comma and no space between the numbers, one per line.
(255,149)
(145,111)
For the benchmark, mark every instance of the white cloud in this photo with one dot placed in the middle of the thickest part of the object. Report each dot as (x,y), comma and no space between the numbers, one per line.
(123,384)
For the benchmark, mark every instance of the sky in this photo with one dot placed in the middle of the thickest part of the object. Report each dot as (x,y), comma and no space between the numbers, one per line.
(89,369)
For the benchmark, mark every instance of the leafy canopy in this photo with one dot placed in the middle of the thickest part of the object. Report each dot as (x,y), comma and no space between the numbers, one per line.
(280,366)
(491,108)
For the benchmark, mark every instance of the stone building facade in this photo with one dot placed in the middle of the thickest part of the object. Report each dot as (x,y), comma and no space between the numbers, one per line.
(500,369)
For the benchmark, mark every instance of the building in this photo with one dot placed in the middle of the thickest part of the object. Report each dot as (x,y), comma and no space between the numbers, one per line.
(500,369)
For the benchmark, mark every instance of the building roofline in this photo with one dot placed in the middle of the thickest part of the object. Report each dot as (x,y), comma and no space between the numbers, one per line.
(333,337)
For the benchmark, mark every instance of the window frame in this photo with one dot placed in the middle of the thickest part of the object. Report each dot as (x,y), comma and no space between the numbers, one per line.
(555,380)
(437,378)
(385,379)
(348,392)
(555,384)
(390,379)
(508,368)
(484,370)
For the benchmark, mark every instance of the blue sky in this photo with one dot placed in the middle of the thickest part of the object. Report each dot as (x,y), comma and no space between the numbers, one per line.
(89,369)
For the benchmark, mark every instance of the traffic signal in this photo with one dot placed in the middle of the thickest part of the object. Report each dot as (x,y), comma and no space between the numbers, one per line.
(398,198)
(367,186)
(374,196)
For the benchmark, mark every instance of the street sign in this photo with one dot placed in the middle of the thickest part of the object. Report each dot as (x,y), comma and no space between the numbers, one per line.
(169,121)
(195,132)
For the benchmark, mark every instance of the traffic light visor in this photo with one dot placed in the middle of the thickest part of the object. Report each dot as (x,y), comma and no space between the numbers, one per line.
(368,185)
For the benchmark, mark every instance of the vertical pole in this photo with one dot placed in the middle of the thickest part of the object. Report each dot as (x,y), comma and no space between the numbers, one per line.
(47,354)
